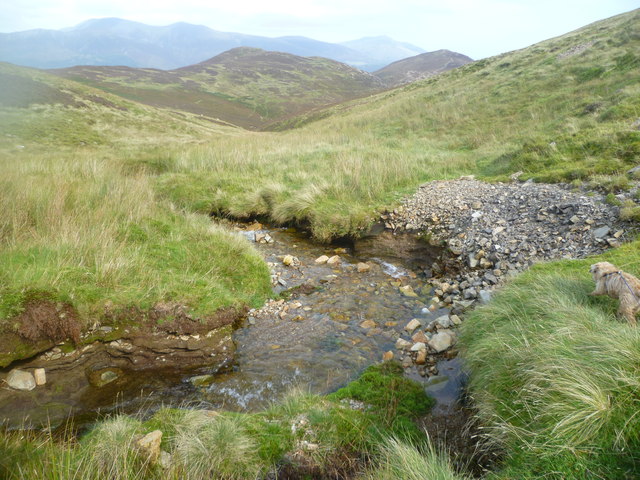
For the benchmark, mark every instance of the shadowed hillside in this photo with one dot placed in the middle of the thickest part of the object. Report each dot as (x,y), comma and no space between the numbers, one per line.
(421,66)
(245,86)
(38,107)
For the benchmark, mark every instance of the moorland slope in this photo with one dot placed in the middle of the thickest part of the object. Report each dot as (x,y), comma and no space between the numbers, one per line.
(248,87)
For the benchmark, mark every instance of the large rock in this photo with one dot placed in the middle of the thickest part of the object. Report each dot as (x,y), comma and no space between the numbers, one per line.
(442,340)
(21,380)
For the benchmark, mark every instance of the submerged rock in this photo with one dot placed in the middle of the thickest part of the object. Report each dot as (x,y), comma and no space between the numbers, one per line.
(407,291)
(335,260)
(201,380)
(363,267)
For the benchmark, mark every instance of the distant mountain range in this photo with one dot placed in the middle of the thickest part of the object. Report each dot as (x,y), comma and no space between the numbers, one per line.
(114,41)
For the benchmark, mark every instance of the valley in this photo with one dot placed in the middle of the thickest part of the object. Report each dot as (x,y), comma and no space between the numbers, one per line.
(134,199)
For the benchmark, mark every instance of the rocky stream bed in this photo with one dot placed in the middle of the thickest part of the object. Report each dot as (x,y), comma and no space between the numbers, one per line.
(400,292)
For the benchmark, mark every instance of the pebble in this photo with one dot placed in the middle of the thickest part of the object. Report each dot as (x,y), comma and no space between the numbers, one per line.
(40,376)
(412,325)
(419,336)
(335,260)
(290,261)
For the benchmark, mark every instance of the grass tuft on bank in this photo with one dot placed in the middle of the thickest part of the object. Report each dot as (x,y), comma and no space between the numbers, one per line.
(555,375)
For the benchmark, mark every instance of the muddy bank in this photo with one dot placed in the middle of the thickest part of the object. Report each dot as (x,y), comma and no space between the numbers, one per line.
(111,365)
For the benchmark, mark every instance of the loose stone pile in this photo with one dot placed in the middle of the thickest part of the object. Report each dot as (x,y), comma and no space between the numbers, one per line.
(497,230)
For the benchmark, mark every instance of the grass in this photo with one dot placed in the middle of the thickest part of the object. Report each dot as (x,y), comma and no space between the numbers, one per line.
(555,375)
(394,399)
(301,435)
(87,229)
(400,460)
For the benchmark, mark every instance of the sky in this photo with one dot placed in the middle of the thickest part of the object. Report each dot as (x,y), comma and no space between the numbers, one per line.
(477,28)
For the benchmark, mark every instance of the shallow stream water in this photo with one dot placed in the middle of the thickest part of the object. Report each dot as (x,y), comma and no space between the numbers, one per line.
(317,339)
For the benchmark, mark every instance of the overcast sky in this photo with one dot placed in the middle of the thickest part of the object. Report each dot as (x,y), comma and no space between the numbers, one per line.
(478,28)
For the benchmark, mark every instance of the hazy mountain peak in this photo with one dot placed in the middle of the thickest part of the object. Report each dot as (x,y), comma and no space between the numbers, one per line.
(177,45)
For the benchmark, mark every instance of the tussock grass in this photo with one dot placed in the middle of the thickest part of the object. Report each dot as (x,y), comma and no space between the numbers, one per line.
(399,460)
(215,447)
(555,375)
(107,452)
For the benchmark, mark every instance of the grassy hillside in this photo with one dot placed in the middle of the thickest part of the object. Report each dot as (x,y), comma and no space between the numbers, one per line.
(38,109)
(83,226)
(245,86)
(562,110)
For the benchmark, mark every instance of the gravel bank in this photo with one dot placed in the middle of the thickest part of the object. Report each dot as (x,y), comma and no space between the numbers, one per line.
(497,230)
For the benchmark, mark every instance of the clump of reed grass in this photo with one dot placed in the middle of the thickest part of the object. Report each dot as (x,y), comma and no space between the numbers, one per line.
(215,446)
(400,460)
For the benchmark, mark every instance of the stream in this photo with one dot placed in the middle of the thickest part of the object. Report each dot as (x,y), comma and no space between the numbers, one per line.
(325,324)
